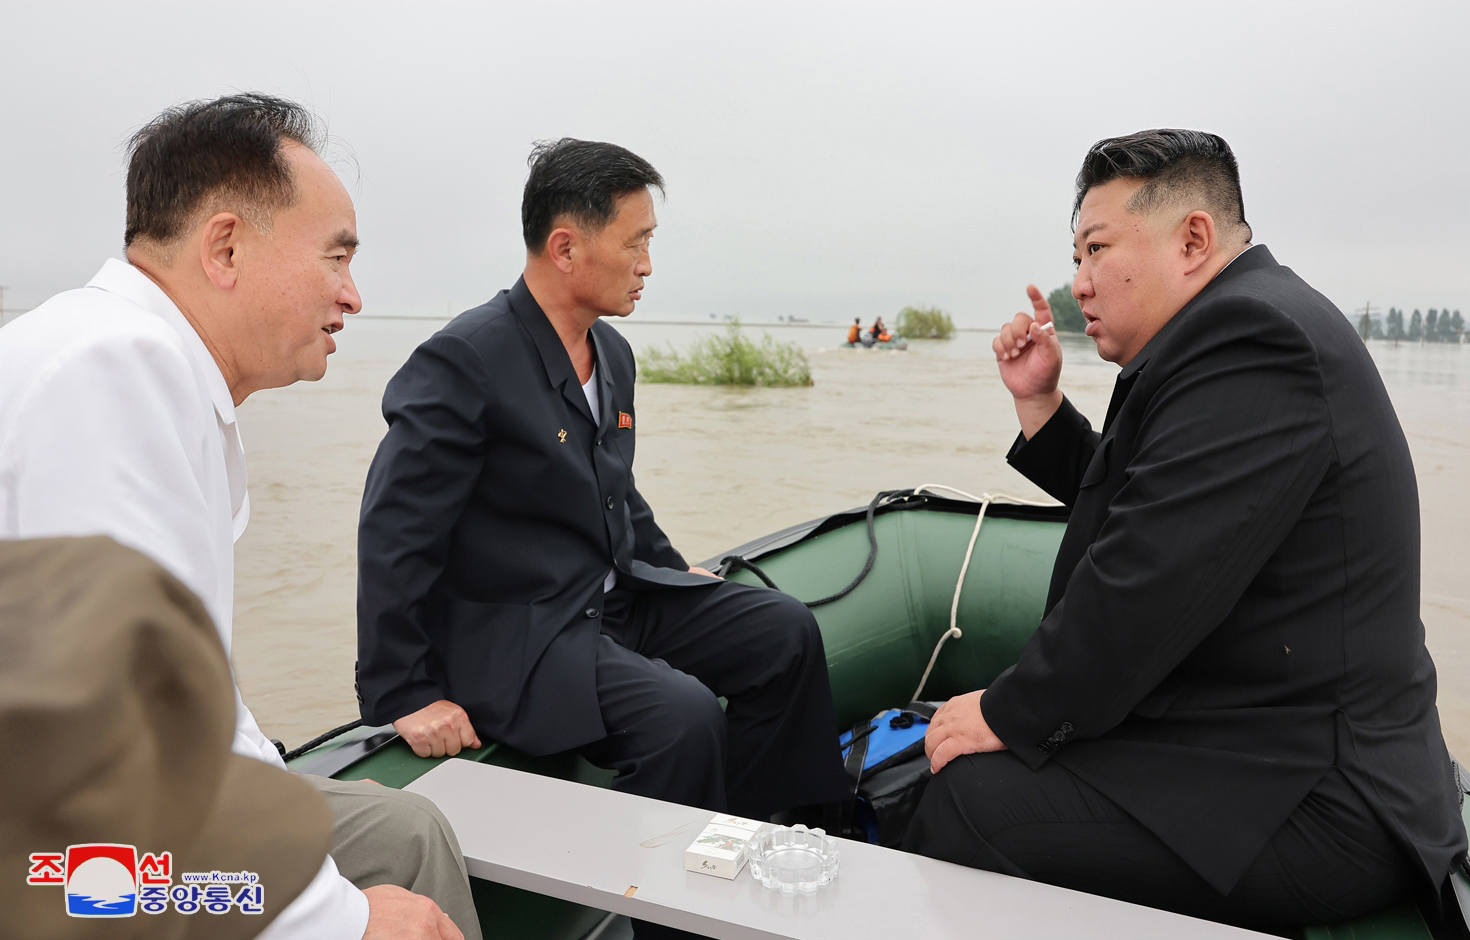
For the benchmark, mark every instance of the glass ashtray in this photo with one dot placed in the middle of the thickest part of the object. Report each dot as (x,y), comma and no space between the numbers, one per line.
(792,859)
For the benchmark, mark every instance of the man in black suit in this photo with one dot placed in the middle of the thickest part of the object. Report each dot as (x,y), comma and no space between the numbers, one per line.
(1228,709)
(512,582)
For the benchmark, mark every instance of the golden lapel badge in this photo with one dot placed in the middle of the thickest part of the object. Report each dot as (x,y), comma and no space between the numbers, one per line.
(625,420)
(562,435)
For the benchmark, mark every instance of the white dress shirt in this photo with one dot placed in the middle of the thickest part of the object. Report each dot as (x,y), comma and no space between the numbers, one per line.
(115,420)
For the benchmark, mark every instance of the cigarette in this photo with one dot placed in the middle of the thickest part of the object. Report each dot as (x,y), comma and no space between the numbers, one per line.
(1025,340)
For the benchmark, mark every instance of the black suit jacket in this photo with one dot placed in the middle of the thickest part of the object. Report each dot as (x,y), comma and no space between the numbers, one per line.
(493,510)
(1235,604)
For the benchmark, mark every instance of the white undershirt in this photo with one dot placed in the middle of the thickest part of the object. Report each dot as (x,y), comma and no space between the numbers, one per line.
(594,401)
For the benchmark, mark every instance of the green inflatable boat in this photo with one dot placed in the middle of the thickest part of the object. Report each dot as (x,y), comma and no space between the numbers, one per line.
(895,566)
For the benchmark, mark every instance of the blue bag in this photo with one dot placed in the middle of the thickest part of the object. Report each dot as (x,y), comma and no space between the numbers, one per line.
(887,770)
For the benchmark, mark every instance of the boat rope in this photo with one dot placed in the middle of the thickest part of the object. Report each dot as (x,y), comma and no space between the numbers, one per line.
(735,562)
(984,499)
(731,563)
(320,740)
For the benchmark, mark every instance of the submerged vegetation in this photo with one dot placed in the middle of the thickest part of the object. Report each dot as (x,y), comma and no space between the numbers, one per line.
(1065,312)
(729,359)
(923,323)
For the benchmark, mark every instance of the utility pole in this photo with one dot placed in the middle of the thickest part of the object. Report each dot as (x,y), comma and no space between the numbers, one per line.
(1365,325)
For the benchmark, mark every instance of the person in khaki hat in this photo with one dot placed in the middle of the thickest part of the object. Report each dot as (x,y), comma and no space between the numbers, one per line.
(117,418)
(115,718)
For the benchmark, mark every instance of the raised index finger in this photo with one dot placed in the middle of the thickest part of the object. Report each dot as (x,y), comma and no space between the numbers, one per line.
(1039,304)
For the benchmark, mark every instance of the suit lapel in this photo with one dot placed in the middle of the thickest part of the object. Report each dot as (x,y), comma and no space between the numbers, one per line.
(572,391)
(605,381)
(1121,388)
(554,358)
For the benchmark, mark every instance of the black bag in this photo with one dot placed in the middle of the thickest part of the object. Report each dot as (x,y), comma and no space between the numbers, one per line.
(886,772)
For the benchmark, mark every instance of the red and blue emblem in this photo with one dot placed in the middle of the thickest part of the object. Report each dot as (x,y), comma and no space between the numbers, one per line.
(101,880)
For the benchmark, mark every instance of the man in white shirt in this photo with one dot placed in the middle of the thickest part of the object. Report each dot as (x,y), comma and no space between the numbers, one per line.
(117,417)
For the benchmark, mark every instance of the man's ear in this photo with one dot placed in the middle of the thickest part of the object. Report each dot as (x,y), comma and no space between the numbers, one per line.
(562,248)
(218,243)
(1197,240)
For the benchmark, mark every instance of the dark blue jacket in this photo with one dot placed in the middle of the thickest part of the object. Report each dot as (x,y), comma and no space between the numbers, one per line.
(493,509)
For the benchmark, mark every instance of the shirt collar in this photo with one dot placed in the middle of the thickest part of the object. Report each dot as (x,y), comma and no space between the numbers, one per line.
(1156,341)
(121,278)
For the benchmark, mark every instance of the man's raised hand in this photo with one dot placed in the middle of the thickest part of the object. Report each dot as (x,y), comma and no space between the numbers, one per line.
(1029,356)
(438,729)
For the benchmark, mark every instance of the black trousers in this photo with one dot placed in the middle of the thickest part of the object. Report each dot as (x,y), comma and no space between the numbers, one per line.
(663,659)
(1332,860)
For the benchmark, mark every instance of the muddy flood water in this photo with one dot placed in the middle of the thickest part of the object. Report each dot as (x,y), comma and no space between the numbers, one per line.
(723,465)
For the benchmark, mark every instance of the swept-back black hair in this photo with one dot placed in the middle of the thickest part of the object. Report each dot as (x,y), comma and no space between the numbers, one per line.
(225,152)
(1176,165)
(581,179)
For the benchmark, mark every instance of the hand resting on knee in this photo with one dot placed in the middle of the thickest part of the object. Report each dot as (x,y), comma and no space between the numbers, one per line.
(396,913)
(438,729)
(959,727)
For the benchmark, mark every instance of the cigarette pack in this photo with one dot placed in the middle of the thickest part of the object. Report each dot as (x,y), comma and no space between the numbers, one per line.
(723,847)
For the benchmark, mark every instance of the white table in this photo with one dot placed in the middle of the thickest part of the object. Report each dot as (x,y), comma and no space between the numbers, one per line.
(625,854)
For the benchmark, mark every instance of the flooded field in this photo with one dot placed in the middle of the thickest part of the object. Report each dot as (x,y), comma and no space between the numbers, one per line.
(721,465)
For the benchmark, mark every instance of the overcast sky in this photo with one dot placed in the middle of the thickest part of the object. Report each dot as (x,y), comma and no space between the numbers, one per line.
(822,159)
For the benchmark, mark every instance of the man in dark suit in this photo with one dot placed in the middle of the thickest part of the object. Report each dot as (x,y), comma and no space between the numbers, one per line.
(512,582)
(1228,709)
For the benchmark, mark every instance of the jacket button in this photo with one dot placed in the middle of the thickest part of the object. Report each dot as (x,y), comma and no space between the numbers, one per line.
(591,611)
(599,442)
(609,502)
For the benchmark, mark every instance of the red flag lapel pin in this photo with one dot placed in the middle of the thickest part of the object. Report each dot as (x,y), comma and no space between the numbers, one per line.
(625,420)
